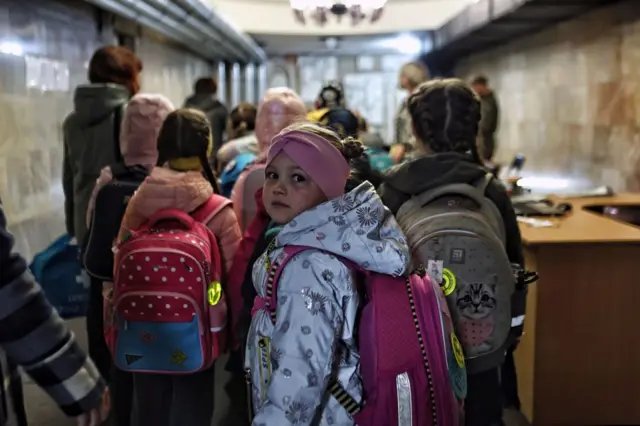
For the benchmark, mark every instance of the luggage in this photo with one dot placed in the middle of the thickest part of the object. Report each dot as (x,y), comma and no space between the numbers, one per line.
(232,171)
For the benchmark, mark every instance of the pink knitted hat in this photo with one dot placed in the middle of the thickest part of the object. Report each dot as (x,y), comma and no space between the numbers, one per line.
(323,162)
(141,125)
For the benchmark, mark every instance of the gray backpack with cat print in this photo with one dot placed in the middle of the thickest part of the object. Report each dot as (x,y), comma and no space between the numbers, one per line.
(458,235)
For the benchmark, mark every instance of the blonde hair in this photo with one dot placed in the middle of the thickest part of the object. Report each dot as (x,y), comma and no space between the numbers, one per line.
(415,72)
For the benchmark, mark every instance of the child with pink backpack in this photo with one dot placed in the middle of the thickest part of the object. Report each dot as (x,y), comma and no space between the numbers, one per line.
(169,319)
(341,332)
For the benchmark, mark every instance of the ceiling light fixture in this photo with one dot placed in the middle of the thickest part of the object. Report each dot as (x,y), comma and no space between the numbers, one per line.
(319,11)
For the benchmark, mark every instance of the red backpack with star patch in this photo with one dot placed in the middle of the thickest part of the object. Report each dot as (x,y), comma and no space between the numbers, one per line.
(169,310)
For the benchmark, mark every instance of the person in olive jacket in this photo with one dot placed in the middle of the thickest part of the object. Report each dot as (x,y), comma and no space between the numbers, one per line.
(205,99)
(91,132)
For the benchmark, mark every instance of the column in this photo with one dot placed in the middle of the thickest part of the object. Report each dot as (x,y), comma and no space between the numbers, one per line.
(249,84)
(242,82)
(221,77)
(261,80)
(235,85)
(228,72)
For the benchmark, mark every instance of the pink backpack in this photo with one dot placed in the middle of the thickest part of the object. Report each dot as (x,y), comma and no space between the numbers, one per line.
(169,311)
(411,362)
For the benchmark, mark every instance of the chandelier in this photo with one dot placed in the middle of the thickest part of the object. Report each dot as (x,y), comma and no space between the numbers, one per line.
(319,11)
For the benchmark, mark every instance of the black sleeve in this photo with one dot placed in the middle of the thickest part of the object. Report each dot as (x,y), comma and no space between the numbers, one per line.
(391,197)
(218,126)
(498,195)
(67,186)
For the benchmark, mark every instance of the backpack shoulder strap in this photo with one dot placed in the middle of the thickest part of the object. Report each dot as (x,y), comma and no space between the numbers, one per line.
(275,272)
(121,171)
(117,123)
(210,208)
(118,170)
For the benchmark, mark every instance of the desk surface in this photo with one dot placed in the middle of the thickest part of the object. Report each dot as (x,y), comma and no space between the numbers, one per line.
(584,226)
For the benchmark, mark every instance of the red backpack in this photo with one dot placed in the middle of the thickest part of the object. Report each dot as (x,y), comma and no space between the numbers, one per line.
(411,362)
(169,313)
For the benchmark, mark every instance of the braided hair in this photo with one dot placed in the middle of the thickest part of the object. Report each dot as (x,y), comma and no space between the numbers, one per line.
(186,133)
(446,114)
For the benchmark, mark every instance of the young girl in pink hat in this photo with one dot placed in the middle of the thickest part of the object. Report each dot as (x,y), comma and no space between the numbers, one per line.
(309,342)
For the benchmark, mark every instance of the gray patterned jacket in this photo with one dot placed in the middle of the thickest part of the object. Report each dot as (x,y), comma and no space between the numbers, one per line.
(313,338)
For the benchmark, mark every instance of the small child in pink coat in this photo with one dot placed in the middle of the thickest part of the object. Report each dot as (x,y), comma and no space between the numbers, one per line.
(184,181)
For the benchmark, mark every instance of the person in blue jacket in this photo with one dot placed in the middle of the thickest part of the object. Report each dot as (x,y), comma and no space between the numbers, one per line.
(34,337)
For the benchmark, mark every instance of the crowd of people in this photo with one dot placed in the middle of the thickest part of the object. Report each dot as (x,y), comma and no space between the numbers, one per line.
(242,189)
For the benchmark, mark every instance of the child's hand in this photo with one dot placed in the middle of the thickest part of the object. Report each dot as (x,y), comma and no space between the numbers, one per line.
(98,415)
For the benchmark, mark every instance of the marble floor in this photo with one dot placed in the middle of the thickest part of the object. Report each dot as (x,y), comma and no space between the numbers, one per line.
(42,412)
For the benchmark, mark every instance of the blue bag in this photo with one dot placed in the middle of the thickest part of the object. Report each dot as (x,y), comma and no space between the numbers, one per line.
(232,171)
(58,270)
(379,159)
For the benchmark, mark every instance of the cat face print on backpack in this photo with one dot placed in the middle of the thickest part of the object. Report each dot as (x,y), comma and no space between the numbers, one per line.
(457,234)
(476,303)
(477,300)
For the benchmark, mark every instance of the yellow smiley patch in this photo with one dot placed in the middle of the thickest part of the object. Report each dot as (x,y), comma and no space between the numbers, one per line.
(448,285)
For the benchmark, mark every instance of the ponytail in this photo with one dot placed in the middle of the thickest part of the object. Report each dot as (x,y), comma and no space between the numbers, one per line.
(209,174)
(185,143)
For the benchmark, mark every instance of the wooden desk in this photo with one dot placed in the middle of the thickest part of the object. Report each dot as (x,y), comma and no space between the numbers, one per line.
(579,359)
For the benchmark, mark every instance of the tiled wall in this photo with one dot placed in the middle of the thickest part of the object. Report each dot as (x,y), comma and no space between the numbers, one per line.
(570,97)
(57,39)
(170,70)
(35,96)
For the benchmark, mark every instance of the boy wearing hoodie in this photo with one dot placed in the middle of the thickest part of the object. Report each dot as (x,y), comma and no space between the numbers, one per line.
(91,131)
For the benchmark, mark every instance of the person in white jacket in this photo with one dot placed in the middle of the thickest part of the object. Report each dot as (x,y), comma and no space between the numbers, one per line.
(313,340)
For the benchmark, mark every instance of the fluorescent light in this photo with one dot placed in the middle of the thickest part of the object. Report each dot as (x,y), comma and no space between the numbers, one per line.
(11,48)
(405,43)
(312,4)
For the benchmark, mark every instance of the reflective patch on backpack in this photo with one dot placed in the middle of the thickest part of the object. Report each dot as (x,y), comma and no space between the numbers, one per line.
(448,284)
(264,354)
(457,350)
(403,390)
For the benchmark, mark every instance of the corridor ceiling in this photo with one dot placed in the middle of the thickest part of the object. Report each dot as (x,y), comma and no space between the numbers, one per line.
(490,23)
